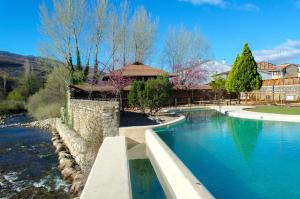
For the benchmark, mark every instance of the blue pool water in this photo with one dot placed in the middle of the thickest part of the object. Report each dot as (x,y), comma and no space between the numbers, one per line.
(144,182)
(238,158)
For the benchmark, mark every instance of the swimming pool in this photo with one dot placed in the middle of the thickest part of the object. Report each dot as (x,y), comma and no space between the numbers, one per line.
(238,158)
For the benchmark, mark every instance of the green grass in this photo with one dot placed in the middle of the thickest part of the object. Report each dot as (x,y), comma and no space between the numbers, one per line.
(277,109)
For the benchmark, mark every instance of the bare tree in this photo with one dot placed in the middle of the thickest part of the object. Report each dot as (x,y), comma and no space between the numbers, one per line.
(143,35)
(124,31)
(100,24)
(114,37)
(182,46)
(77,15)
(56,27)
(200,48)
(176,46)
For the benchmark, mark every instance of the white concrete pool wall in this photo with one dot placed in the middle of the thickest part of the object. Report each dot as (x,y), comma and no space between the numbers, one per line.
(180,182)
(109,177)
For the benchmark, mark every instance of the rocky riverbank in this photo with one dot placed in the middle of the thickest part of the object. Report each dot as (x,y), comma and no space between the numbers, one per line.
(70,170)
(68,167)
(2,120)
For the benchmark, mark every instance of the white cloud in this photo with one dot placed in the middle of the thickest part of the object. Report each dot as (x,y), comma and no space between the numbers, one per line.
(249,7)
(286,52)
(224,4)
(208,2)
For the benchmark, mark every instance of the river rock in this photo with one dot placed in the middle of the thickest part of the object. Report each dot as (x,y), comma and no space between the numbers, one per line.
(77,186)
(67,172)
(65,163)
(60,148)
(64,154)
(78,176)
(58,144)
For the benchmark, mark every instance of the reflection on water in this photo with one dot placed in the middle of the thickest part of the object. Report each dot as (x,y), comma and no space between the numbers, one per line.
(238,158)
(144,182)
(28,165)
(245,134)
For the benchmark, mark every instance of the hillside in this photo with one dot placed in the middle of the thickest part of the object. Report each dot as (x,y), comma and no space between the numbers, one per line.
(13,64)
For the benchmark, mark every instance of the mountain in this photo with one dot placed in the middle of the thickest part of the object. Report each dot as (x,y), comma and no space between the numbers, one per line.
(14,64)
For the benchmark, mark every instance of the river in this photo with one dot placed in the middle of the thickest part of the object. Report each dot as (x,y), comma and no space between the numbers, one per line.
(28,164)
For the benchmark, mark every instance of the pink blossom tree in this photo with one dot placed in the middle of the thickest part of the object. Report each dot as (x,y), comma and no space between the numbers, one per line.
(119,81)
(189,76)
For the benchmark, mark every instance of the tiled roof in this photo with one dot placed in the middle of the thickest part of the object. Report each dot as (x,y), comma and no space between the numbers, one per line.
(195,87)
(140,70)
(282,66)
(96,88)
(109,88)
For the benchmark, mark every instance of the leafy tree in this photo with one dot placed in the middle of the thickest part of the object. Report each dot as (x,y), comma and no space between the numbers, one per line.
(132,95)
(217,84)
(158,92)
(28,85)
(86,73)
(243,76)
(47,101)
(15,95)
(152,94)
(136,96)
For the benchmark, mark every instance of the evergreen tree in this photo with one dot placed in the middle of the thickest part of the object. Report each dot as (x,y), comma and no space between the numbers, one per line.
(86,71)
(79,66)
(243,76)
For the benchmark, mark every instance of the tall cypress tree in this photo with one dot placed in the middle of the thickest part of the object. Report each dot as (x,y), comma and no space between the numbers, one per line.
(243,76)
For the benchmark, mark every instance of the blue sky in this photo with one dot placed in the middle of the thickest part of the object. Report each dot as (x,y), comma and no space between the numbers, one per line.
(271,28)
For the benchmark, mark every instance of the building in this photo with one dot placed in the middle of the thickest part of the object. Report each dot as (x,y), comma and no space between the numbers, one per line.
(264,66)
(104,88)
(277,90)
(137,71)
(285,71)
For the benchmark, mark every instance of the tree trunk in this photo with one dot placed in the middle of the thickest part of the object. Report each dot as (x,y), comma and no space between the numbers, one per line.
(121,103)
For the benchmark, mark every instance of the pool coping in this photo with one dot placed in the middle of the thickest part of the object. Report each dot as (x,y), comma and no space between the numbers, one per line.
(240,112)
(109,177)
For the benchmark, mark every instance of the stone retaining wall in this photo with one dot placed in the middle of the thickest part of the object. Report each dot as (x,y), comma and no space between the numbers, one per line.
(75,143)
(88,117)
(84,125)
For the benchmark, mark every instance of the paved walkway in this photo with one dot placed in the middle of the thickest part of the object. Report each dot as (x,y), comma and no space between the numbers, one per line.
(238,111)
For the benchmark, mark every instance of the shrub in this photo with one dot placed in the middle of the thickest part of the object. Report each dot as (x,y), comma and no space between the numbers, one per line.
(15,95)
(8,107)
(152,94)
(158,92)
(46,103)
(47,111)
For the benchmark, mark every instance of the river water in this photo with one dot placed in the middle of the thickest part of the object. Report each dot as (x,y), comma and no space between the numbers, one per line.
(28,165)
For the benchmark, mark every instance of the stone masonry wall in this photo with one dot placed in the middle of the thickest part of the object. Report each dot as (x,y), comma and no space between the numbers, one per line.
(87,123)
(88,117)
